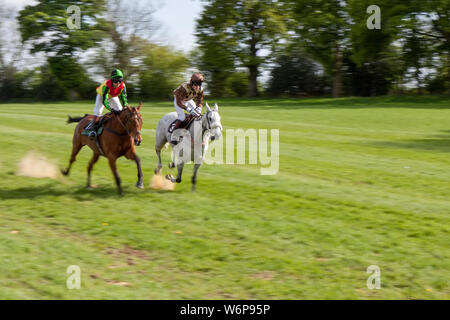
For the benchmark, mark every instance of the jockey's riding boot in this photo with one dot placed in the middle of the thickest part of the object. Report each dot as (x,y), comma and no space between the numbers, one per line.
(175,125)
(92,126)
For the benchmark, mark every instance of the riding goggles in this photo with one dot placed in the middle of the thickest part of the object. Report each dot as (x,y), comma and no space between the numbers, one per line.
(197,83)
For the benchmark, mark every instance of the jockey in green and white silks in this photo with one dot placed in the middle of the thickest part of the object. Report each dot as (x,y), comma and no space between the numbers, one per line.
(111,94)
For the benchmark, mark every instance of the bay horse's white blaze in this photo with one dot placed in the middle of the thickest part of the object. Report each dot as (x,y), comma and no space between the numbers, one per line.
(209,127)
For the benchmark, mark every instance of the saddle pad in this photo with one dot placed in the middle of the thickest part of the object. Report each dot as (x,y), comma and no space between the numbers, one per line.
(99,131)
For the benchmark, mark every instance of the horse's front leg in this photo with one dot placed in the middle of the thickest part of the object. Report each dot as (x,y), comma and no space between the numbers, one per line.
(172,164)
(131,155)
(75,150)
(179,174)
(194,176)
(140,183)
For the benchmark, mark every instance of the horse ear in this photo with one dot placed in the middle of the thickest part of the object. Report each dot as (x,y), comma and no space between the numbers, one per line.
(207,107)
(140,106)
(216,107)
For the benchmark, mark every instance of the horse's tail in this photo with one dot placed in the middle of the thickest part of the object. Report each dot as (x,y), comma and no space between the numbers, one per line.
(75,119)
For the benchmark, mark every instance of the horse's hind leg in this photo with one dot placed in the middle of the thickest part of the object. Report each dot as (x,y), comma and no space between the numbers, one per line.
(194,176)
(75,149)
(94,159)
(112,165)
(158,153)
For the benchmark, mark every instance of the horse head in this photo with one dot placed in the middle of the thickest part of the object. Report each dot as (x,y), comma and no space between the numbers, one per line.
(133,122)
(213,123)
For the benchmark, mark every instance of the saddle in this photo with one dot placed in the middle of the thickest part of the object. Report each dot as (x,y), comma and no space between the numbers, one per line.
(184,125)
(98,126)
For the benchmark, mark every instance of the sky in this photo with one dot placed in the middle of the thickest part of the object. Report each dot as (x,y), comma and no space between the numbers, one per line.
(176,19)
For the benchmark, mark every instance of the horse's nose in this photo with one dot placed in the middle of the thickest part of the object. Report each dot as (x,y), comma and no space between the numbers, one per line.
(213,138)
(137,140)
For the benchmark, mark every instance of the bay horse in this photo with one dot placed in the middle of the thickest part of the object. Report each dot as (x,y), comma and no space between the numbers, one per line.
(207,127)
(120,134)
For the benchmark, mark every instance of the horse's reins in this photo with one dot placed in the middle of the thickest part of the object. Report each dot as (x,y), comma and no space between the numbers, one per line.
(120,121)
(123,125)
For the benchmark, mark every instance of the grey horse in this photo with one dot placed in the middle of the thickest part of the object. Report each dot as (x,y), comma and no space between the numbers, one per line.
(192,144)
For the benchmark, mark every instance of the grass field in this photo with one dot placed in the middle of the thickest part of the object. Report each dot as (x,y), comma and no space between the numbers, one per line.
(361,182)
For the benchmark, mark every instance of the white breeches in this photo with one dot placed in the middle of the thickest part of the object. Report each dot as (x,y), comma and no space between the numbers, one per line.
(114,103)
(180,112)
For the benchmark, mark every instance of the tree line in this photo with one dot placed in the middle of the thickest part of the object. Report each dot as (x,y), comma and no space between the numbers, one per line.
(293,48)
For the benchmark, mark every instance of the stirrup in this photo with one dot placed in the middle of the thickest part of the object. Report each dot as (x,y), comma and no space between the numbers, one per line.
(92,134)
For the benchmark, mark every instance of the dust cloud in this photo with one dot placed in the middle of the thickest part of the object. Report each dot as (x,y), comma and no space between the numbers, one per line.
(158,182)
(35,165)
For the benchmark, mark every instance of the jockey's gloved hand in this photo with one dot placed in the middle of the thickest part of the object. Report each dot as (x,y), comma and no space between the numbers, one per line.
(198,110)
(113,111)
(192,111)
(189,109)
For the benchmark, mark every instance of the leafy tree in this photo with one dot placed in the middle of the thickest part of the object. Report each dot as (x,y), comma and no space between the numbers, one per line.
(236,85)
(370,78)
(46,86)
(234,34)
(438,32)
(162,71)
(44,26)
(323,30)
(297,75)
(128,31)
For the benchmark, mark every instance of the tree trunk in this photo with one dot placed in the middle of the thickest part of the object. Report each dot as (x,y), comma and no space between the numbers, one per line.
(337,82)
(419,84)
(253,70)
(253,83)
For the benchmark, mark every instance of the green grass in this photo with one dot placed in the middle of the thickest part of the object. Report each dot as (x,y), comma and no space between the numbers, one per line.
(362,181)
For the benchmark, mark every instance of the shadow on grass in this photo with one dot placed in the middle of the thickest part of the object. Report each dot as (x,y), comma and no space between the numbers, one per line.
(79,193)
(409,102)
(439,142)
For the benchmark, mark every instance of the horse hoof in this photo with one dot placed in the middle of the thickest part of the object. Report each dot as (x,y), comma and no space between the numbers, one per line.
(140,185)
(170,177)
(157,170)
(65,172)
(171,165)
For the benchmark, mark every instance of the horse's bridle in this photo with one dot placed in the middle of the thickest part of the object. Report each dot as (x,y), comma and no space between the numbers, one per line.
(208,122)
(126,121)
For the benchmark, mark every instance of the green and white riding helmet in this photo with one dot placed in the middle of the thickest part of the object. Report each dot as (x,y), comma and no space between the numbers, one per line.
(116,74)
